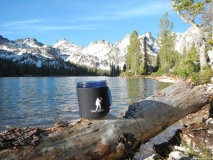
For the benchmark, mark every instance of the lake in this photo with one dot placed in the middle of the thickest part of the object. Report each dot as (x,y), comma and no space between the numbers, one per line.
(43,101)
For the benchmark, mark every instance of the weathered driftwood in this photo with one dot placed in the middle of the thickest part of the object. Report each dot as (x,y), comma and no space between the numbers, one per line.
(112,137)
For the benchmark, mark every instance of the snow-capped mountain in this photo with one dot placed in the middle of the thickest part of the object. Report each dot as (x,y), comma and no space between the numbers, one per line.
(65,48)
(102,54)
(185,40)
(118,52)
(28,42)
(99,54)
(92,55)
(26,50)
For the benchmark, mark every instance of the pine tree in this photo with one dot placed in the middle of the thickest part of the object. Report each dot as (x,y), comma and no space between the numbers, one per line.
(189,65)
(146,58)
(124,68)
(167,56)
(117,71)
(134,56)
(112,70)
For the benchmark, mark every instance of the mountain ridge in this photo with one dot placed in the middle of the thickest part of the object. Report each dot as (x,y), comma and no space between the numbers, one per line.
(99,54)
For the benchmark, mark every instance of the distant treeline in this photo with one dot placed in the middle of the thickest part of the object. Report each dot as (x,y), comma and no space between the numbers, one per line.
(9,68)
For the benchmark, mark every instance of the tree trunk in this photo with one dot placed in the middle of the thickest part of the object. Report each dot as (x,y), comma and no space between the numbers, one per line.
(112,137)
(210,53)
(212,17)
(202,45)
(202,52)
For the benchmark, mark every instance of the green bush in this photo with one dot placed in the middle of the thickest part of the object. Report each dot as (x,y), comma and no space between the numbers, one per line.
(160,72)
(189,66)
(129,74)
(123,74)
(205,75)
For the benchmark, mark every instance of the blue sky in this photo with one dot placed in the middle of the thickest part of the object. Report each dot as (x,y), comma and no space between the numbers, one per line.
(83,21)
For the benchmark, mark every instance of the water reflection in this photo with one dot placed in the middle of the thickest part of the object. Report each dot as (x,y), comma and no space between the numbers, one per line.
(42,101)
(138,88)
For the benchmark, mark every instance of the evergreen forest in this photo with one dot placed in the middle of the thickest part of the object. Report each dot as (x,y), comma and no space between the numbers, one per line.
(8,68)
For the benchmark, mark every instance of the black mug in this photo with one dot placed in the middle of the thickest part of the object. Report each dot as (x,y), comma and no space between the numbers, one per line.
(94,99)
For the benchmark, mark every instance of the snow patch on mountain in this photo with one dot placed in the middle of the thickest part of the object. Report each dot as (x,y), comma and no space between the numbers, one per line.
(152,47)
(123,45)
(28,42)
(98,48)
(64,48)
(26,50)
(101,54)
(186,39)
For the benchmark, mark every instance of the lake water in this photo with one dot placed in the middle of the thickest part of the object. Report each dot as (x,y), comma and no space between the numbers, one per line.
(43,101)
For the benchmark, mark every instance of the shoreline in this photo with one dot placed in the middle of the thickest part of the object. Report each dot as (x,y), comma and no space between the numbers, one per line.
(164,78)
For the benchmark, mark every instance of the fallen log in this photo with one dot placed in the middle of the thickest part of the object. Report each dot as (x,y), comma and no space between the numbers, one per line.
(113,137)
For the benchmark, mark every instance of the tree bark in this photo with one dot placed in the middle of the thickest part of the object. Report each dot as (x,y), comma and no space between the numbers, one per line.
(112,137)
(212,17)
(210,53)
